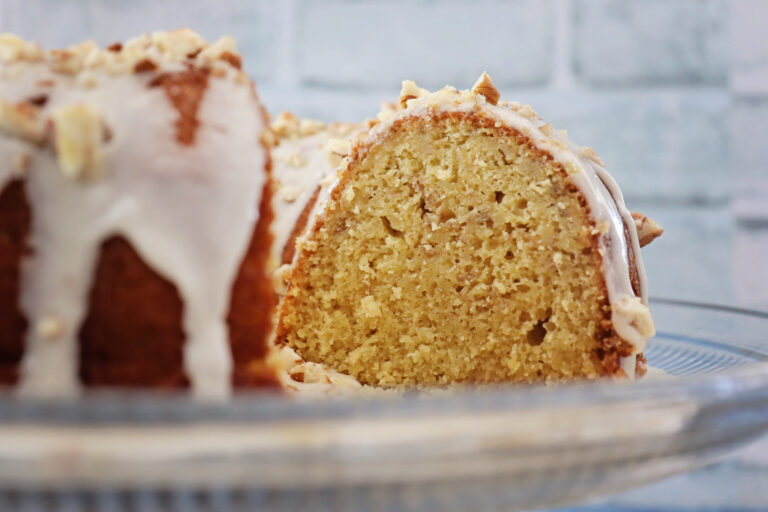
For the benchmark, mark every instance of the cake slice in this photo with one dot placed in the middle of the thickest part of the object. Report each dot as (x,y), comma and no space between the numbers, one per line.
(465,241)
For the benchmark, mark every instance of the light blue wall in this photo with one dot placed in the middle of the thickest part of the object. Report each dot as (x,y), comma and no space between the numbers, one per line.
(673,94)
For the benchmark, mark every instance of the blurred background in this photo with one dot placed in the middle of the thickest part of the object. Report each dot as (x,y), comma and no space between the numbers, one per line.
(673,94)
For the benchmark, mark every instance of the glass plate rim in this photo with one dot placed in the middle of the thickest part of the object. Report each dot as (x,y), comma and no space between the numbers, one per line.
(747,383)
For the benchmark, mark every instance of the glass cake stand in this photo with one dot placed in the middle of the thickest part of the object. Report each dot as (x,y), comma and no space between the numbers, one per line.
(493,449)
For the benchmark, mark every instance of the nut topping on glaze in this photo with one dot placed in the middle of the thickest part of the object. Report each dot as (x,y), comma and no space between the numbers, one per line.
(547,130)
(590,154)
(15,49)
(286,125)
(177,44)
(485,87)
(50,328)
(410,91)
(647,229)
(223,49)
(78,135)
(310,127)
(22,120)
(75,58)
(138,55)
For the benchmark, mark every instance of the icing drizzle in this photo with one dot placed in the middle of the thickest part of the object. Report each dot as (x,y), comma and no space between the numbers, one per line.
(189,210)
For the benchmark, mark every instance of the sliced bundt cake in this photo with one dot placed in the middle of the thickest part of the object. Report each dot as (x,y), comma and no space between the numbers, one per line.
(135,205)
(465,241)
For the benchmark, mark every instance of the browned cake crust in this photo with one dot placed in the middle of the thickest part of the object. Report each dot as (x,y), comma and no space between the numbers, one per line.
(253,299)
(132,335)
(15,219)
(301,224)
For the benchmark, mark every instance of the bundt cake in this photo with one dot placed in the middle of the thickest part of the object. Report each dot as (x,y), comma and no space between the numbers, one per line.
(135,208)
(465,241)
(455,239)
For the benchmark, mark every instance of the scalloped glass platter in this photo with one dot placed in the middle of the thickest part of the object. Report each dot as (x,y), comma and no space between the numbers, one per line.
(493,449)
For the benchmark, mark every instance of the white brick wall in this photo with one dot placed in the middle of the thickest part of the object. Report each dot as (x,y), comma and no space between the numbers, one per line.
(650,42)
(372,44)
(672,93)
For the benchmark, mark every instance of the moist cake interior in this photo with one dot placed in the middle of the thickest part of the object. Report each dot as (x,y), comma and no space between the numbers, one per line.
(453,251)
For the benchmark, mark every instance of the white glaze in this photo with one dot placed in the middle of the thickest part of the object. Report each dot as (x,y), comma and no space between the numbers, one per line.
(15,160)
(188,210)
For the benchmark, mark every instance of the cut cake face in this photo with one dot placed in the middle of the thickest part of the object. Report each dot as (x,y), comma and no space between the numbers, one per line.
(467,242)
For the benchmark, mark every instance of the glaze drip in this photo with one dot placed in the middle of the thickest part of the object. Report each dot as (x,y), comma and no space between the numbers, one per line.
(187,201)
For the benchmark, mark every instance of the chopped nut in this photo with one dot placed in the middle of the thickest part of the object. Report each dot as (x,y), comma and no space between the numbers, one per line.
(224,49)
(14,49)
(242,78)
(547,130)
(87,79)
(336,150)
(635,314)
(290,194)
(590,154)
(22,120)
(310,127)
(410,91)
(328,179)
(177,44)
(79,133)
(647,229)
(404,100)
(523,110)
(218,71)
(268,138)
(50,327)
(484,87)
(295,159)
(72,60)
(286,125)
(233,58)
